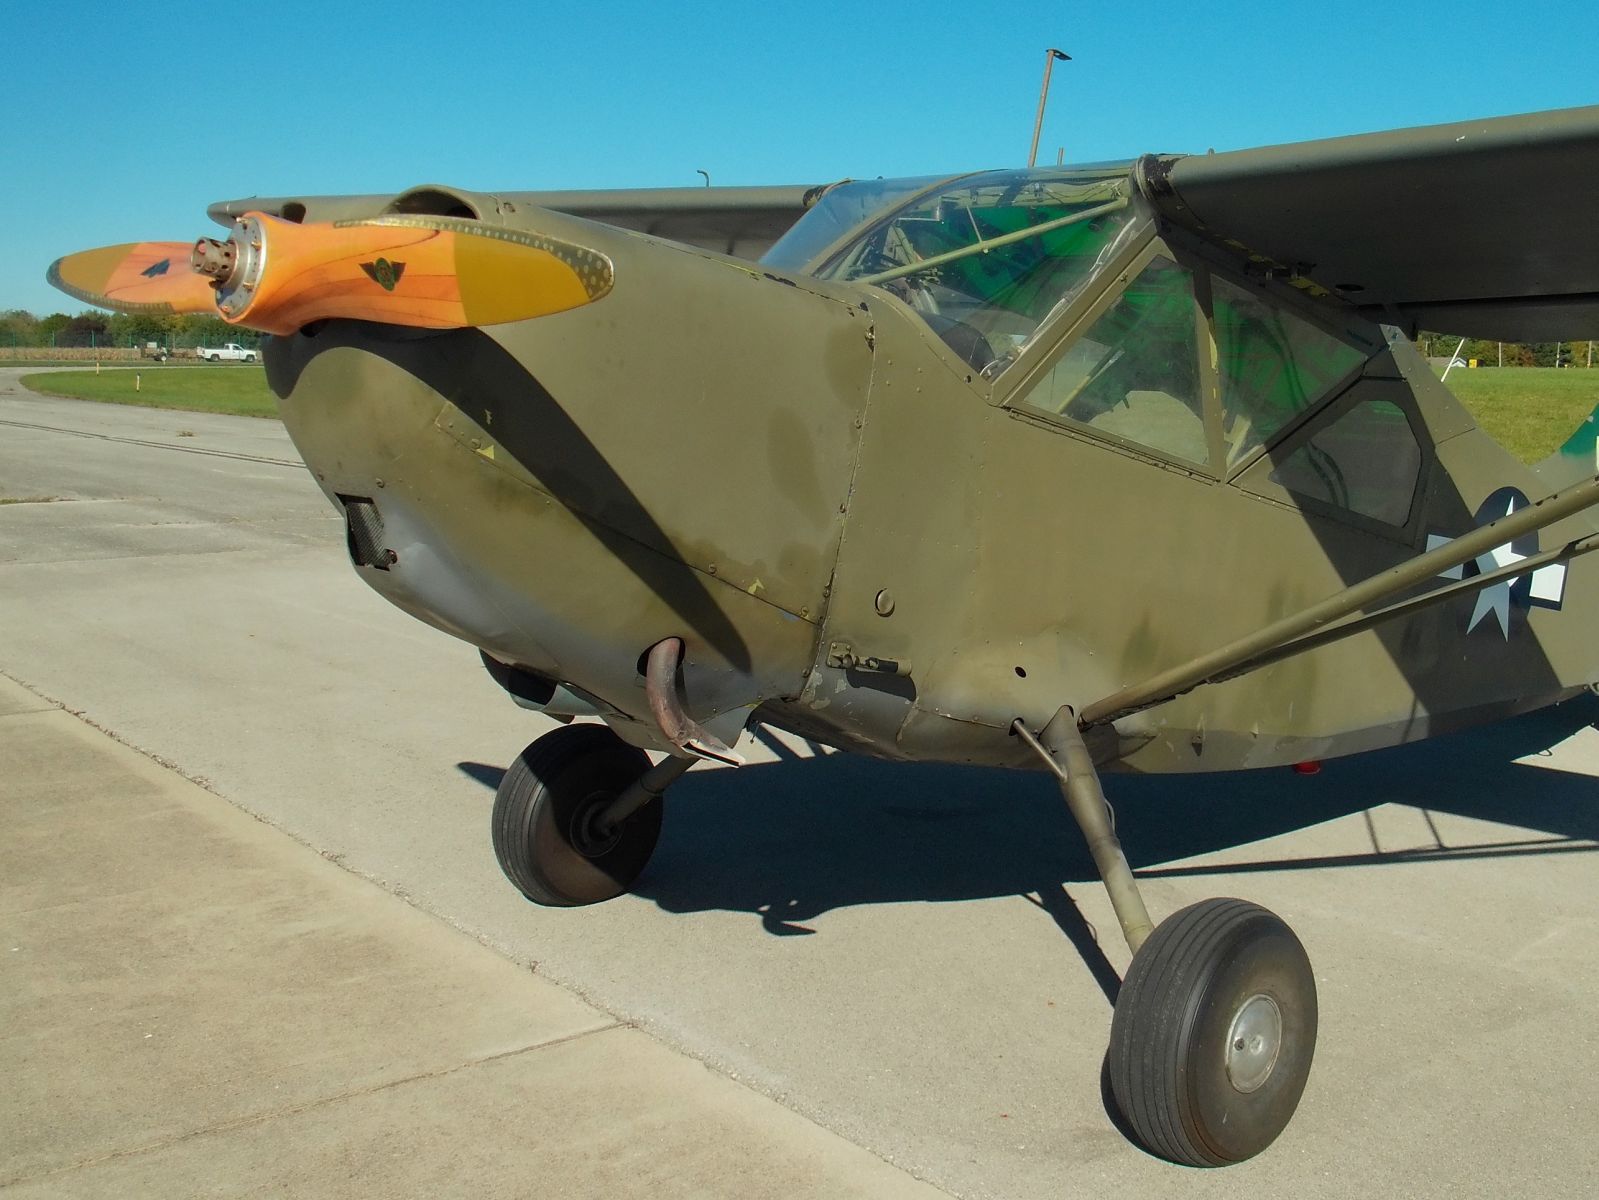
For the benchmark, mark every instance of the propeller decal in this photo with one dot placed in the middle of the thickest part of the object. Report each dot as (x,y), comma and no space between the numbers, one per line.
(384,273)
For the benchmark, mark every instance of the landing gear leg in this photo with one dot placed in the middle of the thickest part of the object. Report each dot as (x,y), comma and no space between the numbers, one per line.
(1065,754)
(1215,1025)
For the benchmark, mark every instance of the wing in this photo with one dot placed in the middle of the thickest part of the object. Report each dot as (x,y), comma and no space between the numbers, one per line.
(742,221)
(1482,228)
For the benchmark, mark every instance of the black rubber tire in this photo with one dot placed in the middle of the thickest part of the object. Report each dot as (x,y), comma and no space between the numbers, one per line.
(1168,1039)
(540,813)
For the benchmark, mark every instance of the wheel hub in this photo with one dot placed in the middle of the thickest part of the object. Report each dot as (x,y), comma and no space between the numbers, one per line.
(589,837)
(1253,1043)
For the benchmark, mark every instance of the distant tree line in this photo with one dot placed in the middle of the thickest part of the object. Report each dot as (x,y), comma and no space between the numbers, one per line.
(1582,353)
(18,327)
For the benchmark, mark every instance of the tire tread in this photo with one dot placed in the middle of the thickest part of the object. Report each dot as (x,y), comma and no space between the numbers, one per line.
(1151,1012)
(519,794)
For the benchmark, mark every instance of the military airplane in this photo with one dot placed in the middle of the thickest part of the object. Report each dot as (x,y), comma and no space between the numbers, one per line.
(1113,467)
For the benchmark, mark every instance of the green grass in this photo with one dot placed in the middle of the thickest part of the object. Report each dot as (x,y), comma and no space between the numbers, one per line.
(1528,410)
(240,390)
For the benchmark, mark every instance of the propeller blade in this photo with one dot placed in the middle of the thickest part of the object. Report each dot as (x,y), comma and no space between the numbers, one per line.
(421,271)
(137,277)
(276,276)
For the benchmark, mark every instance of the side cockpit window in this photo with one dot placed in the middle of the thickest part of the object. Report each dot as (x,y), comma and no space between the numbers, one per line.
(1134,372)
(1178,359)
(985,260)
(1273,365)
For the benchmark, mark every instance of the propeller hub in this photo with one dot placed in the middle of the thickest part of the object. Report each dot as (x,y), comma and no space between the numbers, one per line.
(236,264)
(213,258)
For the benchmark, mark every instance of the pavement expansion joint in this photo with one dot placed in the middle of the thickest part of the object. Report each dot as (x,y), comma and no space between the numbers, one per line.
(291,1110)
(148,443)
(44,703)
(199,781)
(127,558)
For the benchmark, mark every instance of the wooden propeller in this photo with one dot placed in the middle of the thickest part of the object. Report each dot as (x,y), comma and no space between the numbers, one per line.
(275,276)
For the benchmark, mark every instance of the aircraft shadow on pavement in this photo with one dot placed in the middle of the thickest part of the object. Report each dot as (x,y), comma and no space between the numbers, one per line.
(791,840)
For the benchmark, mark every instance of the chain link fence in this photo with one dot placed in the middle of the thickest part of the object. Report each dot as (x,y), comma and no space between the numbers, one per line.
(112,337)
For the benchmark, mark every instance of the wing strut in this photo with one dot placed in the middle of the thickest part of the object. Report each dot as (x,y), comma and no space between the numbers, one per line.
(1326,621)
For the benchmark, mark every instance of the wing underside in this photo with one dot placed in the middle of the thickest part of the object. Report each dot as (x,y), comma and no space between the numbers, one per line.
(1483,228)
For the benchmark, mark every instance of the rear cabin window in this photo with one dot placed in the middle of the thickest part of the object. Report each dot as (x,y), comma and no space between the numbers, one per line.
(1365,461)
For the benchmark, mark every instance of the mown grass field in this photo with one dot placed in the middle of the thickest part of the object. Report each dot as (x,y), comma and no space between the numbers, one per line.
(1529,410)
(241,390)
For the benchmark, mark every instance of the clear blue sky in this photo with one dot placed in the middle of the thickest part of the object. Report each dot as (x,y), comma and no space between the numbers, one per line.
(126,120)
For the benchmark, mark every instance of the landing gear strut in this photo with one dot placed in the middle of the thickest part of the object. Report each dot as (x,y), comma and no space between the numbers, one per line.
(1215,1025)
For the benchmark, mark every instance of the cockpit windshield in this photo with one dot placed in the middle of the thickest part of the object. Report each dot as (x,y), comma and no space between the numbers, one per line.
(983,259)
(843,207)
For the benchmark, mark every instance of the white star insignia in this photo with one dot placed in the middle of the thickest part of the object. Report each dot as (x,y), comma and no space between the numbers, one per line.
(1548,583)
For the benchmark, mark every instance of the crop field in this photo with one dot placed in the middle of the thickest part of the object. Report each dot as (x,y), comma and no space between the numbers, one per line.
(241,390)
(1529,410)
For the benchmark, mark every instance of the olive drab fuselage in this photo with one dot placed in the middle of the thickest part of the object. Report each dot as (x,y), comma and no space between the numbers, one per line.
(868,532)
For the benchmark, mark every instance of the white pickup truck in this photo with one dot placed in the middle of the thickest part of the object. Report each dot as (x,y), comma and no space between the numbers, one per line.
(231,352)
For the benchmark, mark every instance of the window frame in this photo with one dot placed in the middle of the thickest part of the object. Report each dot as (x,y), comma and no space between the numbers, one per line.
(1357,331)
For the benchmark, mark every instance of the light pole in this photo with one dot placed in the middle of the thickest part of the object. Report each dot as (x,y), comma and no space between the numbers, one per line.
(1050,56)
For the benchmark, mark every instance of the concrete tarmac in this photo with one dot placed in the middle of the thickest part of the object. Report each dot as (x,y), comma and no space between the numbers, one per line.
(199,1005)
(913,958)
